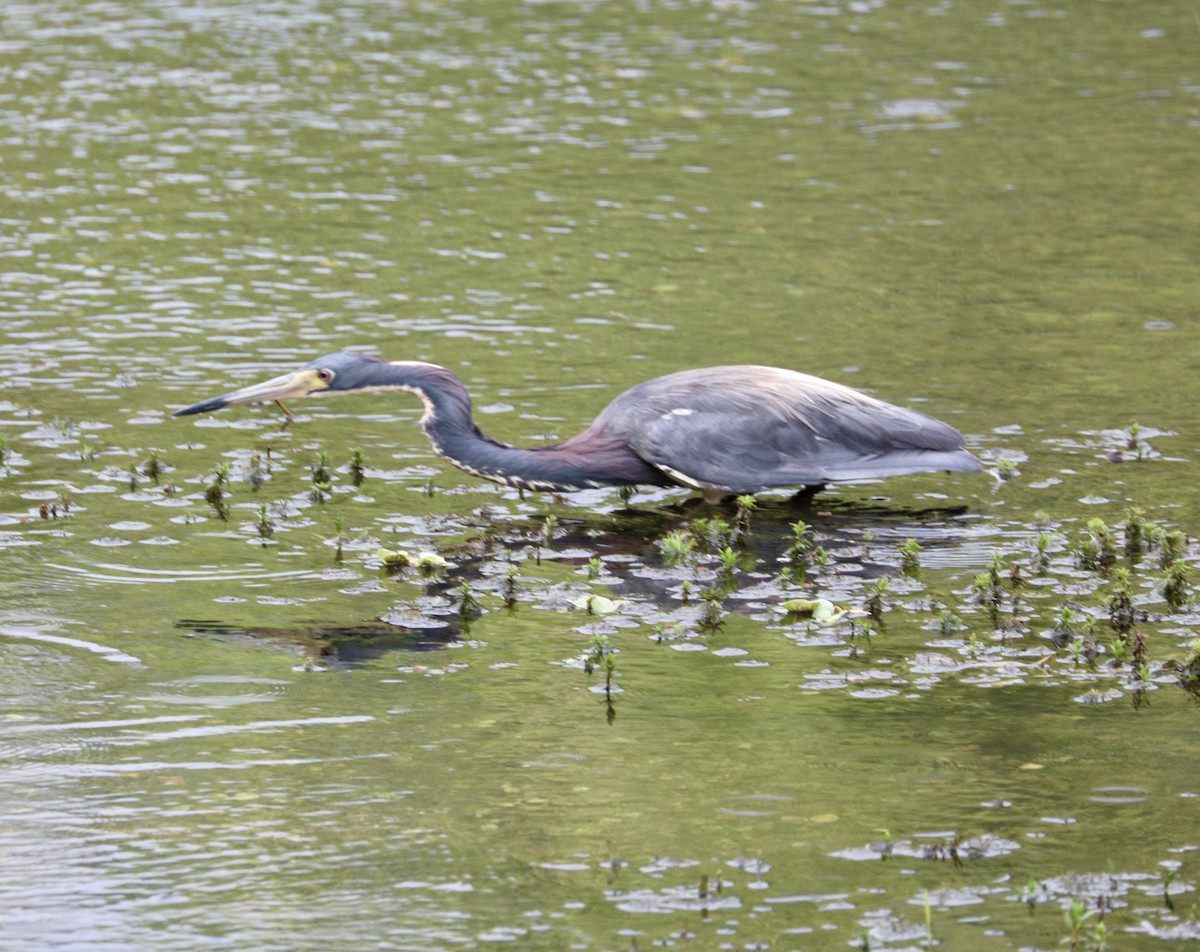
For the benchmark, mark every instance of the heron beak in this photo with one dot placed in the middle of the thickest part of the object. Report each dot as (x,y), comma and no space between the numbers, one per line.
(302,383)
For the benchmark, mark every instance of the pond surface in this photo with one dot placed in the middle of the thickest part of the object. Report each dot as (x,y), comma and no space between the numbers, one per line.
(229,724)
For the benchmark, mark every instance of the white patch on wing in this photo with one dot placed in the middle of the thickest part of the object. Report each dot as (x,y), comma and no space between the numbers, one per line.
(682,411)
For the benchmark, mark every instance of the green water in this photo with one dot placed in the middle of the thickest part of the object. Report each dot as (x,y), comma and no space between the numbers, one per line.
(218,740)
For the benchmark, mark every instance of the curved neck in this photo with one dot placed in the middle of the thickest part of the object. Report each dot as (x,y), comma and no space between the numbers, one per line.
(589,460)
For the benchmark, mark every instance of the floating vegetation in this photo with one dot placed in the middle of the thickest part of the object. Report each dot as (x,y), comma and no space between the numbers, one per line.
(1097,552)
(682,577)
(1137,533)
(258,470)
(339,536)
(214,492)
(153,468)
(357,470)
(426,563)
(469,607)
(1171,545)
(322,475)
(821,611)
(745,505)
(678,547)
(1176,590)
(874,600)
(603,658)
(264,526)
(910,558)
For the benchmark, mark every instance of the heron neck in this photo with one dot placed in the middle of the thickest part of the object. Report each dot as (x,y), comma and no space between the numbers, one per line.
(589,460)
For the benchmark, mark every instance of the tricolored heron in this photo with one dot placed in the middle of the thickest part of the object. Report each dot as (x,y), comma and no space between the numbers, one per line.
(722,430)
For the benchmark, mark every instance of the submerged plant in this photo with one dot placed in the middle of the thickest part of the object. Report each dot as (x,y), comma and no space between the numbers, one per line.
(713,614)
(358,472)
(989,588)
(265,527)
(214,495)
(322,476)
(1175,588)
(509,588)
(713,534)
(798,553)
(874,600)
(1041,555)
(1136,535)
(1120,603)
(741,518)
(257,471)
(339,529)
(677,547)
(1171,544)
(548,528)
(602,657)
(153,468)
(468,605)
(1098,551)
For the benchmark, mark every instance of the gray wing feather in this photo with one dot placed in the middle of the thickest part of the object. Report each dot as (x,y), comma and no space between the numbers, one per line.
(744,429)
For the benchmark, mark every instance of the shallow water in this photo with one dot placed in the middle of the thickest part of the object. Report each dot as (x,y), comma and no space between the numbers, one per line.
(249,733)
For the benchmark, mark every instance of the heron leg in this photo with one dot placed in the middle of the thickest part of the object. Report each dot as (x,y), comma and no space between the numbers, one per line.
(804,495)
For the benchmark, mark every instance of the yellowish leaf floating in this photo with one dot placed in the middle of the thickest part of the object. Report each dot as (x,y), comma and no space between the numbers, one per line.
(821,610)
(597,604)
(426,561)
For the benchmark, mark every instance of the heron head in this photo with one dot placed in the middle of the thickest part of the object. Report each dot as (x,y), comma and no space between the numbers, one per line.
(342,372)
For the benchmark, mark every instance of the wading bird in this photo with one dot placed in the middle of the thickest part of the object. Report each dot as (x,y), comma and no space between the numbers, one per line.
(722,430)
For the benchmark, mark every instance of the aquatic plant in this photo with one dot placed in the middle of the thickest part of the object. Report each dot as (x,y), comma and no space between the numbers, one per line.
(1170,544)
(509,588)
(713,534)
(257,471)
(214,494)
(1098,552)
(339,538)
(874,600)
(988,588)
(910,558)
(602,656)
(264,525)
(677,547)
(1041,555)
(356,468)
(1176,590)
(321,473)
(153,468)
(469,607)
(1136,533)
(741,517)
(713,614)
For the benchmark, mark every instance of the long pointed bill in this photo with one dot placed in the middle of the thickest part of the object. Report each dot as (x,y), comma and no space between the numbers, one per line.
(289,386)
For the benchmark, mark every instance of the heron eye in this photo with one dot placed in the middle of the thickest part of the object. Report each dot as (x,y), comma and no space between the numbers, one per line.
(325,375)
